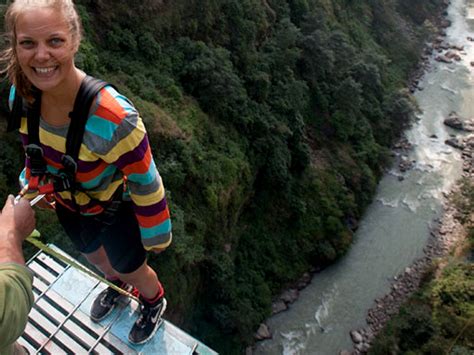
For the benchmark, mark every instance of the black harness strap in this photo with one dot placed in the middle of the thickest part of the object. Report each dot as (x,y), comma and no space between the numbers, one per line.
(66,178)
(89,89)
(33,149)
(17,112)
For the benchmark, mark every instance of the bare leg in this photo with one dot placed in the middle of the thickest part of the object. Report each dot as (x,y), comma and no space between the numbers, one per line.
(100,260)
(144,279)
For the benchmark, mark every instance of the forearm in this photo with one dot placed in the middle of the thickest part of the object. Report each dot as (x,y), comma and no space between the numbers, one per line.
(153,217)
(10,248)
(15,301)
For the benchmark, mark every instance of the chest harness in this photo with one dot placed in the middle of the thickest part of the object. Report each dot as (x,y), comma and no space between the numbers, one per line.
(65,180)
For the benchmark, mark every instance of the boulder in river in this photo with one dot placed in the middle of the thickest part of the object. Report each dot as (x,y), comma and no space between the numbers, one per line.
(457,47)
(405,164)
(452,55)
(290,295)
(263,332)
(279,306)
(356,336)
(455,143)
(445,23)
(443,59)
(468,125)
(454,121)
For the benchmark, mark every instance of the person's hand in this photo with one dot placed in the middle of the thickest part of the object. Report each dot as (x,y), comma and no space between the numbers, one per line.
(17,219)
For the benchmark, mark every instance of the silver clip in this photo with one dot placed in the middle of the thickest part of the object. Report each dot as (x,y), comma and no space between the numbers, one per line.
(36,199)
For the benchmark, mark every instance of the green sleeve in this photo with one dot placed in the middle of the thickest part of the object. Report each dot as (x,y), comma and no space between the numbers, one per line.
(16,299)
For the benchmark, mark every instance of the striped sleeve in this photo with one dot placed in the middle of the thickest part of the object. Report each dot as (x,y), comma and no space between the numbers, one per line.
(130,151)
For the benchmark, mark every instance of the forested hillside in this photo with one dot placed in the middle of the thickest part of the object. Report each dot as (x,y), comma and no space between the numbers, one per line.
(271,123)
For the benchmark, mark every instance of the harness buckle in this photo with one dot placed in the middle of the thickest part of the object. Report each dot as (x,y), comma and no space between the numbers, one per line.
(63,181)
(35,153)
(69,164)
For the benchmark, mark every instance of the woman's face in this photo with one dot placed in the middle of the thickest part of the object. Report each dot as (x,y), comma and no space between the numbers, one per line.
(45,49)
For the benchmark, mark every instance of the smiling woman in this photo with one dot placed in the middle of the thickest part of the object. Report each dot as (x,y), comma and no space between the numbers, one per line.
(114,209)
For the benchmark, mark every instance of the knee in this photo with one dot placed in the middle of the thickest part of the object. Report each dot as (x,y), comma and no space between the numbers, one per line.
(97,257)
(142,273)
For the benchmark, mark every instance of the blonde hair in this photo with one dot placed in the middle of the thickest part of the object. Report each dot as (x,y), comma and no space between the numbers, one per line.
(8,56)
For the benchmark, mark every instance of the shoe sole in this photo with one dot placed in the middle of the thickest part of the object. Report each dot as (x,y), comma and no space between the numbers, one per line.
(158,324)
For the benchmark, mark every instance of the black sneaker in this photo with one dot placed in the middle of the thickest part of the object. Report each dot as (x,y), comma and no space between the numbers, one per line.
(105,302)
(148,322)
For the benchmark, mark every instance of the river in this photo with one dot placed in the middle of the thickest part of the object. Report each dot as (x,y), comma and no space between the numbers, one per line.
(396,226)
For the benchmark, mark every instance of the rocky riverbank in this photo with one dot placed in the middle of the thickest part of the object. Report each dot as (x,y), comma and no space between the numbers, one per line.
(446,233)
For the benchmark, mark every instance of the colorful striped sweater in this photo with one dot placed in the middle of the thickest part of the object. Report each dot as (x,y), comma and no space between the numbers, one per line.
(115,147)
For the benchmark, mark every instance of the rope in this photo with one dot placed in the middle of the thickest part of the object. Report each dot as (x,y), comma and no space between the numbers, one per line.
(33,239)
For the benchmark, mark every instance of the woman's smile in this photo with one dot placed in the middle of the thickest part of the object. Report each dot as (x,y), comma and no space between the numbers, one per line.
(45,71)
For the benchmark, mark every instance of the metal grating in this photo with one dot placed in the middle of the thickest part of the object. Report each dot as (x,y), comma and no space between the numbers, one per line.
(55,326)
(59,322)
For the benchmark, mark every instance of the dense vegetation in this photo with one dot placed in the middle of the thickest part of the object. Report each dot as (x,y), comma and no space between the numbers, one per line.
(439,318)
(270,122)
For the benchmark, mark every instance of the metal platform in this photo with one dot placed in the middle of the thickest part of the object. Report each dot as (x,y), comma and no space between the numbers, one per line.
(59,321)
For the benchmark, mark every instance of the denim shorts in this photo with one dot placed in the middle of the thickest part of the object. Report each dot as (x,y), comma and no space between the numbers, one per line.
(119,235)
